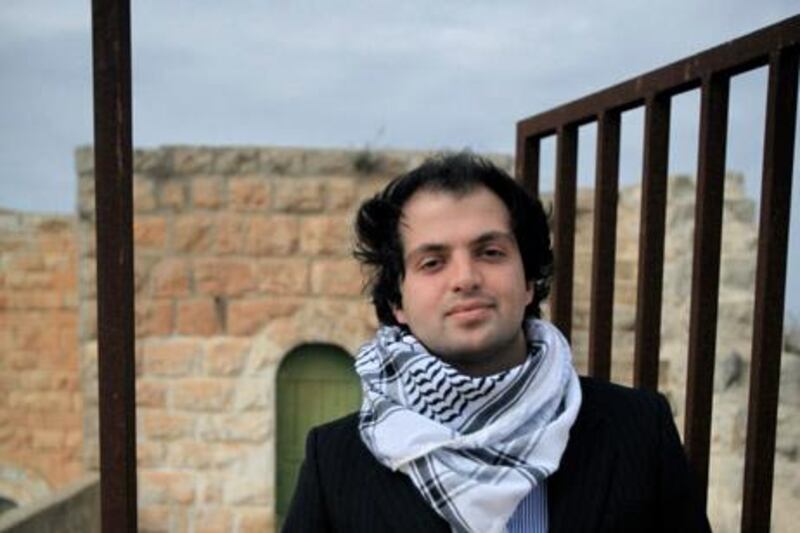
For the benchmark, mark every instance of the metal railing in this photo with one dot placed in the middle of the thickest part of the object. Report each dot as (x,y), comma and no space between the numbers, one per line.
(776,47)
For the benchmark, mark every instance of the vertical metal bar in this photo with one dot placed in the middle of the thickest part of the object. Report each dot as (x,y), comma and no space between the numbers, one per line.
(705,274)
(651,243)
(527,163)
(776,194)
(604,245)
(114,226)
(564,227)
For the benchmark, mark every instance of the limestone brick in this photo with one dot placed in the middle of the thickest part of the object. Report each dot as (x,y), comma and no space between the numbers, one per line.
(227,357)
(153,317)
(208,192)
(336,277)
(193,233)
(255,521)
(224,276)
(202,394)
(283,276)
(272,235)
(237,160)
(340,193)
(299,195)
(247,491)
(188,160)
(150,454)
(144,199)
(247,316)
(159,425)
(170,278)
(198,316)
(166,487)
(230,233)
(326,235)
(150,393)
(172,195)
(213,520)
(171,357)
(149,232)
(245,427)
(249,193)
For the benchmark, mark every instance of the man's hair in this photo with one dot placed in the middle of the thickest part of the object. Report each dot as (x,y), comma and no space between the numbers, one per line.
(380,248)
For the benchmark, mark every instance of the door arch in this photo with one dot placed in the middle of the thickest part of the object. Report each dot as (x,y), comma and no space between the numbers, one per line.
(316,383)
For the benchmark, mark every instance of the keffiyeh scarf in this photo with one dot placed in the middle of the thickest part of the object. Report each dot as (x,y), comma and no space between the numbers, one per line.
(473,446)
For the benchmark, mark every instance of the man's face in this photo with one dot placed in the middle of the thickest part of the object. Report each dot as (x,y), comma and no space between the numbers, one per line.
(464,292)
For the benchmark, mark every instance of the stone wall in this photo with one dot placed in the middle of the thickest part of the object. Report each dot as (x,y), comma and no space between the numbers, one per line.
(243,254)
(40,400)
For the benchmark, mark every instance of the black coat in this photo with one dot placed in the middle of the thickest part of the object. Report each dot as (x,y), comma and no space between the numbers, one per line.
(624,469)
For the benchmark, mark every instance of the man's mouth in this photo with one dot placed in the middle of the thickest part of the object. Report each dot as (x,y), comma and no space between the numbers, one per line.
(466,309)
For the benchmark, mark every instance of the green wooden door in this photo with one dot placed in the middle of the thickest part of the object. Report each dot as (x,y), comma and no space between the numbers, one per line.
(316,383)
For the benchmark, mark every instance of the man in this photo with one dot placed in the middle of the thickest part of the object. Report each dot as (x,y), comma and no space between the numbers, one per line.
(473,418)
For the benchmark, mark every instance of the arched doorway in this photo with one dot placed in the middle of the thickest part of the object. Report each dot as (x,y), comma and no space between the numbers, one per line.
(316,383)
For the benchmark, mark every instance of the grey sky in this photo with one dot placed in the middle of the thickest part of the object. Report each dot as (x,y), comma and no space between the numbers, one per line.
(411,74)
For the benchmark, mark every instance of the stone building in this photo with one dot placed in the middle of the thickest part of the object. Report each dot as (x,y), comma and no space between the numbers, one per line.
(247,298)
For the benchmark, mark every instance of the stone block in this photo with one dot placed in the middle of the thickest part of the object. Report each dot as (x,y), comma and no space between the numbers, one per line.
(255,521)
(149,232)
(192,160)
(299,195)
(249,193)
(224,276)
(236,160)
(151,393)
(340,193)
(213,520)
(172,194)
(230,233)
(246,317)
(193,233)
(283,276)
(144,194)
(198,316)
(171,357)
(154,518)
(170,278)
(154,317)
(245,427)
(251,395)
(326,235)
(162,426)
(164,487)
(150,454)
(247,491)
(227,357)
(202,394)
(272,235)
(336,277)
(207,192)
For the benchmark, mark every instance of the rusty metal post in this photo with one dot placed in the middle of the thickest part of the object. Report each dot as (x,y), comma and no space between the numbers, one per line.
(564,228)
(773,236)
(114,227)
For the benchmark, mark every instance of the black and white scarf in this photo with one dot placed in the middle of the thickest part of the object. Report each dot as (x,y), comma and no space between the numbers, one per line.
(473,446)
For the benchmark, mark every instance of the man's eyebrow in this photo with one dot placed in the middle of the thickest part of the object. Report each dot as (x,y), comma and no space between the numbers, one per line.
(491,236)
(426,249)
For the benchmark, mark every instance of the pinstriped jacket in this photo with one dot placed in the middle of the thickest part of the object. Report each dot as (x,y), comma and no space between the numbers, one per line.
(624,469)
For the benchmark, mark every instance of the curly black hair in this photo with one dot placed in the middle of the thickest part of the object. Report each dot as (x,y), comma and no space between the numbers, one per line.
(380,248)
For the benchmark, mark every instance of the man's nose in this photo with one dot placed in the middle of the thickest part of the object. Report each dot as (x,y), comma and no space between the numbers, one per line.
(466,275)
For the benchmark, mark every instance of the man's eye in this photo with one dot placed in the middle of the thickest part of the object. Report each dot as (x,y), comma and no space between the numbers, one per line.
(430,263)
(493,253)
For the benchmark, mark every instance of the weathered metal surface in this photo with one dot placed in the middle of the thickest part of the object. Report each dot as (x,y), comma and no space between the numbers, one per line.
(733,57)
(563,226)
(651,243)
(604,246)
(527,166)
(776,194)
(114,223)
(705,273)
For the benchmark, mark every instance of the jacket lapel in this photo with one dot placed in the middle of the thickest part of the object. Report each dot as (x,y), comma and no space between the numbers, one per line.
(577,492)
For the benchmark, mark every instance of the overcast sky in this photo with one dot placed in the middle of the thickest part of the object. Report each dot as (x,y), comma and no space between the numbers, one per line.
(335,73)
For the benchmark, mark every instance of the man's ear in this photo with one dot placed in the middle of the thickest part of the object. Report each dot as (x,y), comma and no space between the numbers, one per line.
(529,291)
(399,315)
